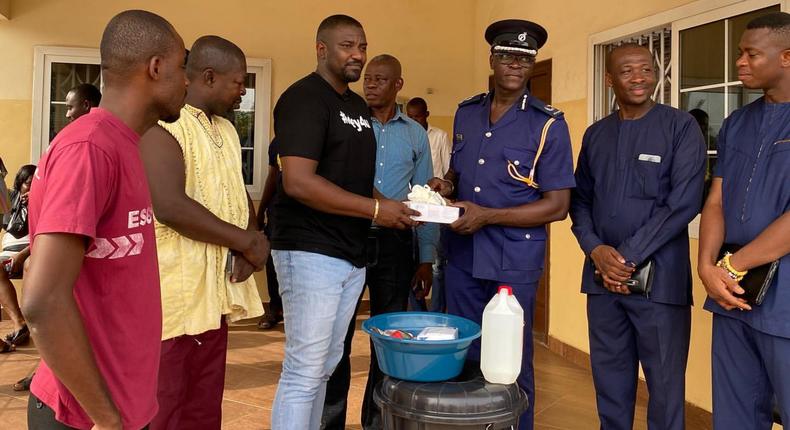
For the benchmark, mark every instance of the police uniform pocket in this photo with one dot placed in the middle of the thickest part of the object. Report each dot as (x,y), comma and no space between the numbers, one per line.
(518,168)
(523,248)
(645,180)
(457,156)
(521,159)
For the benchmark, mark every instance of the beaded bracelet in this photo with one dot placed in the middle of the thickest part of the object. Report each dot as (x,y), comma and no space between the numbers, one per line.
(725,264)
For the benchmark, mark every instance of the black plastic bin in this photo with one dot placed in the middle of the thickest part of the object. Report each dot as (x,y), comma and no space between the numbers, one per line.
(465,405)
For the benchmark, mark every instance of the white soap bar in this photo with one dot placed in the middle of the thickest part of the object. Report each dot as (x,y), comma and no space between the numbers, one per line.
(435,213)
(438,333)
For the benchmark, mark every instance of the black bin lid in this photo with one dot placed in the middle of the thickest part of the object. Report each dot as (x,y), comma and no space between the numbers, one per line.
(467,402)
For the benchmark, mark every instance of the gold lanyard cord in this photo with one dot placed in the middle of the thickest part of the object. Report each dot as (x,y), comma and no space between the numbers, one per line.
(512,170)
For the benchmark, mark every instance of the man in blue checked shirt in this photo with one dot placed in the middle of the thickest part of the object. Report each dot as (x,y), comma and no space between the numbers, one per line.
(403,158)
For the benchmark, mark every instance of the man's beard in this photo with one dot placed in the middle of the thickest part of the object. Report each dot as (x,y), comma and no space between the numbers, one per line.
(351,75)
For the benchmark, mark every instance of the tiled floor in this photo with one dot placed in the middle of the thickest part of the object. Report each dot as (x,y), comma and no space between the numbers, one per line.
(565,396)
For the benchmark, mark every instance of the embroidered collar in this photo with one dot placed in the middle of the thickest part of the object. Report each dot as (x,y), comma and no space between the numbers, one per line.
(208,126)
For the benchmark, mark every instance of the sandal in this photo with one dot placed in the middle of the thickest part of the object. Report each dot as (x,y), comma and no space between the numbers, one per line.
(268,322)
(18,337)
(23,384)
(6,347)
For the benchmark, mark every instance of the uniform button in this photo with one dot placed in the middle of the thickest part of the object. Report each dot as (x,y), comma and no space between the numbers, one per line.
(481,161)
(516,162)
(477,189)
(488,134)
(381,164)
(379,181)
(382,146)
(528,236)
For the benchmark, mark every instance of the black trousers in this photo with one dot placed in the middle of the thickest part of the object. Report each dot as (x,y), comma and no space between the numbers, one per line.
(275,301)
(390,269)
(42,417)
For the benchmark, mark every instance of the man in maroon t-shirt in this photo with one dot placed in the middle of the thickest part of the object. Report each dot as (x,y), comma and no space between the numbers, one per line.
(92,292)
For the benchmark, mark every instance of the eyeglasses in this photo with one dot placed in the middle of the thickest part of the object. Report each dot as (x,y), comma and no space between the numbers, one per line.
(508,59)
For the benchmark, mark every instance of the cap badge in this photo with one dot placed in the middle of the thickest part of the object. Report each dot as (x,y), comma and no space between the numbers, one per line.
(522,37)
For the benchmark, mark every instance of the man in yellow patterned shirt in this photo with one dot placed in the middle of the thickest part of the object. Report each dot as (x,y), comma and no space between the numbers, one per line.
(203,215)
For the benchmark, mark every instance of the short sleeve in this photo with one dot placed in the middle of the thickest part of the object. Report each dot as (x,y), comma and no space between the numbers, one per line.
(300,124)
(77,183)
(273,153)
(555,166)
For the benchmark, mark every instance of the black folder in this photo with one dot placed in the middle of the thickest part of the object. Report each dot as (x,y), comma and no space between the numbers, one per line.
(757,280)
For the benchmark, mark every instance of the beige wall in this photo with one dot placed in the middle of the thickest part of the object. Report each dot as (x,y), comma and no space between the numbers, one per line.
(431,39)
(428,37)
(441,46)
(570,27)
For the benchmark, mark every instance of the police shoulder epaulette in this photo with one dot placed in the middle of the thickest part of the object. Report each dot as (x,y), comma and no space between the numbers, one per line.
(545,108)
(472,100)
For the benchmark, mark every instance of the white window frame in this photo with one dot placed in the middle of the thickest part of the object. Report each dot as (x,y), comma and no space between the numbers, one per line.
(705,18)
(262,67)
(44,56)
(680,18)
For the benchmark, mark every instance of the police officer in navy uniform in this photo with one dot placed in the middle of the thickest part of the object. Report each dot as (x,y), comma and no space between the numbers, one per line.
(511,172)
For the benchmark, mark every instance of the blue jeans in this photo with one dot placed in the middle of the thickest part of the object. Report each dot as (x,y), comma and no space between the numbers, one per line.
(319,295)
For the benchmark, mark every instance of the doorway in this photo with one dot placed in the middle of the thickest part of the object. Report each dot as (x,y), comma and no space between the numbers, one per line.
(540,86)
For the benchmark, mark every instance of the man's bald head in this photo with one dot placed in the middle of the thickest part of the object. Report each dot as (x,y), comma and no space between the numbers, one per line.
(417,109)
(620,49)
(132,37)
(214,52)
(418,103)
(388,61)
(332,22)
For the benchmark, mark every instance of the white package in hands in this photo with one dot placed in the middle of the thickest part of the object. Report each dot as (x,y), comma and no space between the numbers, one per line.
(431,206)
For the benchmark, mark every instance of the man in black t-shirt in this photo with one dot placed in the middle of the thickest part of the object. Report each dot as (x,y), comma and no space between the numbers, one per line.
(323,206)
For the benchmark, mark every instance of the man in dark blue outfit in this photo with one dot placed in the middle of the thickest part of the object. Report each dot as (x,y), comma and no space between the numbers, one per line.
(511,171)
(748,205)
(639,183)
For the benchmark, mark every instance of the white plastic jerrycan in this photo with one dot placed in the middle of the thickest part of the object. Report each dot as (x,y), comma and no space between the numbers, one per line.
(502,338)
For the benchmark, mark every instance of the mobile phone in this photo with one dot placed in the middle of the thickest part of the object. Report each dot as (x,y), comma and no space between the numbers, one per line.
(229,262)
